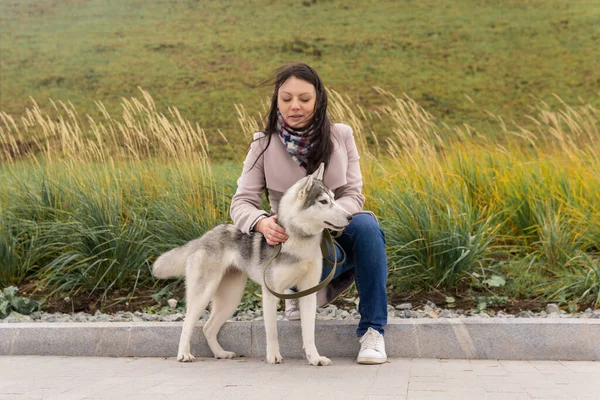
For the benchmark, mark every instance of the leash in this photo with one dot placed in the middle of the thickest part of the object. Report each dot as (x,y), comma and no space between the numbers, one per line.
(327,243)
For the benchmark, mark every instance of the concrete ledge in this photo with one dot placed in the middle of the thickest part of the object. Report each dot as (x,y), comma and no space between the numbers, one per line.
(508,339)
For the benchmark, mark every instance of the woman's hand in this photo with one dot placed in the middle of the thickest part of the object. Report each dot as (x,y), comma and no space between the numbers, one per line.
(274,233)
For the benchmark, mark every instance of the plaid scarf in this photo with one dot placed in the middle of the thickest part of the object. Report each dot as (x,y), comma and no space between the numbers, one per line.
(297,143)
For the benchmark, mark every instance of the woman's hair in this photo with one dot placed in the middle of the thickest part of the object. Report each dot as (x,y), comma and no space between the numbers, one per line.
(323,147)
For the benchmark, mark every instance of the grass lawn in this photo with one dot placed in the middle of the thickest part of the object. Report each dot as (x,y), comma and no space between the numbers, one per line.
(456,59)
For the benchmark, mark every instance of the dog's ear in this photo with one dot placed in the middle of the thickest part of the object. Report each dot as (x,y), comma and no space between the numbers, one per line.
(303,192)
(318,174)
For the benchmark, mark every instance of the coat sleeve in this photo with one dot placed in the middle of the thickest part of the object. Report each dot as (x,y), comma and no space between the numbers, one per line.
(349,196)
(246,203)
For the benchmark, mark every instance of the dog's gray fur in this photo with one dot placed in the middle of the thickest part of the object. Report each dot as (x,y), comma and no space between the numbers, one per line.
(216,267)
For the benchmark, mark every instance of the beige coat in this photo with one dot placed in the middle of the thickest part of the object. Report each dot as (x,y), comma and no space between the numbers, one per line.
(276,171)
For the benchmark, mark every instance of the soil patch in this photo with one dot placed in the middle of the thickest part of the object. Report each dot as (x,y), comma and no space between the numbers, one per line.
(143,299)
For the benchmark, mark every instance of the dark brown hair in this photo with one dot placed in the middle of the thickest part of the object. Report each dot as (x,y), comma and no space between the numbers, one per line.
(323,147)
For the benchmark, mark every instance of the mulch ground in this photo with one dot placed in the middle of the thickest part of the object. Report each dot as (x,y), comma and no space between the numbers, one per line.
(121,301)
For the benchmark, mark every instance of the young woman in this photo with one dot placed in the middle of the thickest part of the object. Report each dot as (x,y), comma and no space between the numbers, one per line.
(298,136)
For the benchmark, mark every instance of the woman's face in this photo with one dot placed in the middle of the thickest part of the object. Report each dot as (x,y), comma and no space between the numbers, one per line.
(296,102)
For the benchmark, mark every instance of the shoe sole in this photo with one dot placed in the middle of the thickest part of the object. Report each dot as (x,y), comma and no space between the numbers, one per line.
(371,361)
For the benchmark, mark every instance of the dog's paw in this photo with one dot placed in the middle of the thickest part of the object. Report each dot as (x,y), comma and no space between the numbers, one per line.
(185,357)
(319,361)
(274,358)
(225,354)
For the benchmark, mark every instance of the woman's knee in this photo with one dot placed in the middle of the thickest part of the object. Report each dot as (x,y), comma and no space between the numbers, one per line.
(364,224)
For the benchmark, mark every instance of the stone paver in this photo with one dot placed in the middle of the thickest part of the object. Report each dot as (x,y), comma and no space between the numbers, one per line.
(73,378)
(477,338)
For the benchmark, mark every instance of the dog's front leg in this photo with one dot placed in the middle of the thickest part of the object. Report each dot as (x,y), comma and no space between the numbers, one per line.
(308,312)
(270,317)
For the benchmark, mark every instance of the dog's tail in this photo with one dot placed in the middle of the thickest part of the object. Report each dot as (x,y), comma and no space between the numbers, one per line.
(171,264)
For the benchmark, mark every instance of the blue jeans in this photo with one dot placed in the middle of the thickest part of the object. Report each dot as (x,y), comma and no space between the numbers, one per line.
(364,244)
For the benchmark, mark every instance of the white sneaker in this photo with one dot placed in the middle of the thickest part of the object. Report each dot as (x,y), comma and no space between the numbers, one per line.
(372,348)
(292,311)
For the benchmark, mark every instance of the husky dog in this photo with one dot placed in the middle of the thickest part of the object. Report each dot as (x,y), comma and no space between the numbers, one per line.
(216,267)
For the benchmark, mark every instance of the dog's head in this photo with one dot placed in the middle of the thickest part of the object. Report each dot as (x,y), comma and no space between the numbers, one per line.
(311,206)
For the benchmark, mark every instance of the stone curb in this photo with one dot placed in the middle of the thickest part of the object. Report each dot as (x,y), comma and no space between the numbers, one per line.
(473,338)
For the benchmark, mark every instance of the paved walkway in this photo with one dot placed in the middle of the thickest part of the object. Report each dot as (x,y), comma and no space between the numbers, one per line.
(65,378)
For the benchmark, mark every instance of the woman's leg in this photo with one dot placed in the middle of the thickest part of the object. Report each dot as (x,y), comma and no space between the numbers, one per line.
(364,244)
